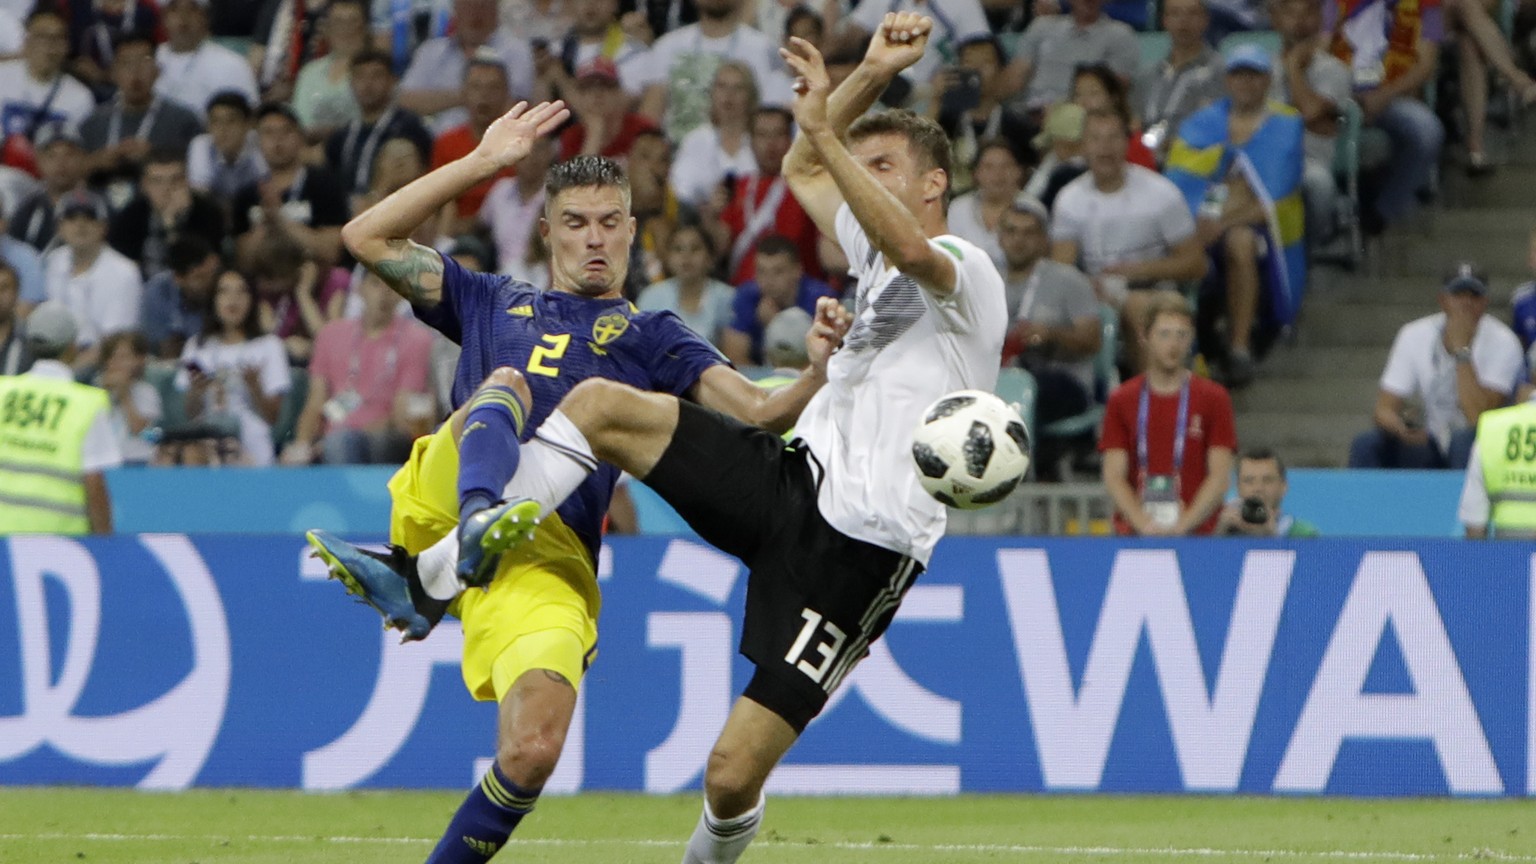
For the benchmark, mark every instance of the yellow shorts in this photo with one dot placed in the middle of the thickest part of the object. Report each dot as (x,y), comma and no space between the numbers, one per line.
(540,611)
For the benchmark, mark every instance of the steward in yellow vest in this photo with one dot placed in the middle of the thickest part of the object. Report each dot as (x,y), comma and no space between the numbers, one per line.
(1499,495)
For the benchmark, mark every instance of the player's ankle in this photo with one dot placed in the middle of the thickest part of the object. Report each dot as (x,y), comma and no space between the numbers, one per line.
(472,504)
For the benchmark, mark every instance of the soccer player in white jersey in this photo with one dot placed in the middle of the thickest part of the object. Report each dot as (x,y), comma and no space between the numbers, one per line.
(834,527)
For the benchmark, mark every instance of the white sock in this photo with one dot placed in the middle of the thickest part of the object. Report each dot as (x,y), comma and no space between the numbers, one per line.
(550,468)
(721,841)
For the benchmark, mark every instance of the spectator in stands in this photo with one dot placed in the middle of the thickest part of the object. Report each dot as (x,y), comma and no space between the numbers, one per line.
(704,303)
(51,488)
(435,85)
(1238,164)
(1480,44)
(604,124)
(969,103)
(781,282)
(1060,144)
(287,35)
(1097,87)
(99,286)
(122,133)
(323,95)
(226,158)
(25,265)
(295,199)
(1185,81)
(400,26)
(163,213)
(1257,510)
(14,359)
(514,205)
(174,299)
(801,22)
(1056,331)
(1168,434)
(1316,84)
(542,20)
(594,33)
(61,165)
(136,404)
(1457,364)
(1523,302)
(295,295)
(652,18)
(398,162)
(232,370)
(656,210)
(1054,46)
(351,150)
(367,379)
(96,28)
(1389,74)
(954,23)
(35,91)
(999,179)
(720,150)
(193,69)
(487,96)
(761,204)
(684,60)
(1127,227)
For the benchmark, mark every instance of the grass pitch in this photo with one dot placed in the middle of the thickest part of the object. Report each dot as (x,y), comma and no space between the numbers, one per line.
(257,827)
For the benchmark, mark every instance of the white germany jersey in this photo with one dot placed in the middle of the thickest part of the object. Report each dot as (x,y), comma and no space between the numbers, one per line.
(906,349)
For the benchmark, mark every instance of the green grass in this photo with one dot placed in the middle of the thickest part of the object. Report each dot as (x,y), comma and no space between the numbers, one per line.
(252,827)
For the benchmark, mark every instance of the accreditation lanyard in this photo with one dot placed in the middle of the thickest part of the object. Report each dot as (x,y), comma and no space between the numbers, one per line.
(363,169)
(1178,434)
(146,123)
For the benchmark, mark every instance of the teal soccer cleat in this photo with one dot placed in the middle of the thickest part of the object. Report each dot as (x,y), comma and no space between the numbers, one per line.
(485,536)
(387,582)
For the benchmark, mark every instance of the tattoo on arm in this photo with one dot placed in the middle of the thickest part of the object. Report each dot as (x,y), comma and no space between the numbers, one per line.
(415,272)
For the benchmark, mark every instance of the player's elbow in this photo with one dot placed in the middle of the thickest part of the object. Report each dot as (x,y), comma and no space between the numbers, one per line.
(361,242)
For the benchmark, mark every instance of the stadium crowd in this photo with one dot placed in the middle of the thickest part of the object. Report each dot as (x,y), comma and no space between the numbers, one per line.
(176,174)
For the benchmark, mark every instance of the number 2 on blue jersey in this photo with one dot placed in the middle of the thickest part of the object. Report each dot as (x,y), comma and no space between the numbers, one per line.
(552,351)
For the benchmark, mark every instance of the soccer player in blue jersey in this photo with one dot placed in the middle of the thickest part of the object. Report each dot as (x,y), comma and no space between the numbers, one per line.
(529,636)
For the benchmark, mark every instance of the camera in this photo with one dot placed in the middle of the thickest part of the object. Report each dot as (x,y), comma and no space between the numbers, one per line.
(1254,511)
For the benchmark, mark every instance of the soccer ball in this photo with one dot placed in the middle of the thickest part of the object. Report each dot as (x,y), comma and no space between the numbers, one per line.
(971,449)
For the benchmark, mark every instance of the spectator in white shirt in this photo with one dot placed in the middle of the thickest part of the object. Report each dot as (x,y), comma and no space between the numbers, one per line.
(513,206)
(702,302)
(976,215)
(226,158)
(34,90)
(1457,364)
(99,286)
(722,147)
(433,85)
(1127,227)
(193,68)
(684,61)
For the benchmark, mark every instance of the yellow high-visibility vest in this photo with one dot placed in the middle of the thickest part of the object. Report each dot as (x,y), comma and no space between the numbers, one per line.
(43,424)
(1506,449)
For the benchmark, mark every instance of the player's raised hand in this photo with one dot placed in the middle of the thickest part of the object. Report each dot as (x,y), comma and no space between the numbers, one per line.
(900,41)
(831,324)
(511,137)
(812,85)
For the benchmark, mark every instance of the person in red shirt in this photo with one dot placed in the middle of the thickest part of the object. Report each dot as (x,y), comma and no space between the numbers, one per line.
(761,204)
(605,126)
(1166,481)
(487,95)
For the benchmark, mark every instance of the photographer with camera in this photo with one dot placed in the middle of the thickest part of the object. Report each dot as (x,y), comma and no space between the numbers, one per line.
(1261,488)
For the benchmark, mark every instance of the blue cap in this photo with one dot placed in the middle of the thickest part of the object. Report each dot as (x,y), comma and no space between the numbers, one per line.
(1251,57)
(1466,277)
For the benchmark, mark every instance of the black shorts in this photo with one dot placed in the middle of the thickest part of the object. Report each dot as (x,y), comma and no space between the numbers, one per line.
(816,598)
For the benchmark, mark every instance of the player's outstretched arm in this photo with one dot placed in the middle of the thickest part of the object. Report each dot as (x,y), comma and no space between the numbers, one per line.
(723,389)
(899,43)
(890,226)
(380,236)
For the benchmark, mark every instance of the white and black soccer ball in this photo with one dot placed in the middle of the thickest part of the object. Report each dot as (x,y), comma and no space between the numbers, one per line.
(971,449)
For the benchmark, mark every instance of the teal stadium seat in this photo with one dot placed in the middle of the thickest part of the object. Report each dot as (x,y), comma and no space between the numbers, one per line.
(1154,49)
(1017,387)
(1269,40)
(293,405)
(1105,378)
(161,374)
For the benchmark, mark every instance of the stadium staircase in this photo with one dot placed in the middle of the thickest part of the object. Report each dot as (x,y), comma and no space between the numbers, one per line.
(1316,392)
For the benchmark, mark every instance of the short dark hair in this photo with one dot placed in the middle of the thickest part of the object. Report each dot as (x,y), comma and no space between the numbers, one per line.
(695,227)
(187,252)
(372,55)
(990,40)
(1264,454)
(582,172)
(481,61)
(132,338)
(802,13)
(775,111)
(233,99)
(165,156)
(926,138)
(778,244)
(1119,96)
(1002,144)
(133,37)
(1120,119)
(278,109)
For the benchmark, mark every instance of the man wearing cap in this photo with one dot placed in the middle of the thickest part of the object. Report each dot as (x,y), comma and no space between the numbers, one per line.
(1060,144)
(1458,364)
(604,124)
(100,287)
(55,439)
(193,68)
(34,90)
(1238,163)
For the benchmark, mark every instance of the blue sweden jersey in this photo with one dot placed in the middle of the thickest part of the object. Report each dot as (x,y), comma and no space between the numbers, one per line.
(557,339)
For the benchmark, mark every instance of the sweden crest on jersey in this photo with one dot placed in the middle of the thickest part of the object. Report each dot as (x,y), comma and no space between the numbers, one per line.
(608,328)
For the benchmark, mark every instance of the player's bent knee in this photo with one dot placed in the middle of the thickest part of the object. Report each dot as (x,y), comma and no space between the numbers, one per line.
(731,782)
(528,758)
(506,376)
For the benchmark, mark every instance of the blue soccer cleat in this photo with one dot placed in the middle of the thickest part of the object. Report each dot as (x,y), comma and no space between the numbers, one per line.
(387,582)
(485,536)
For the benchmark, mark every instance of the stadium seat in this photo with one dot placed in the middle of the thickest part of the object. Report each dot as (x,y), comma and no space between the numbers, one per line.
(1154,49)
(1269,40)
(1105,379)
(1017,387)
(1140,14)
(293,405)
(161,374)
